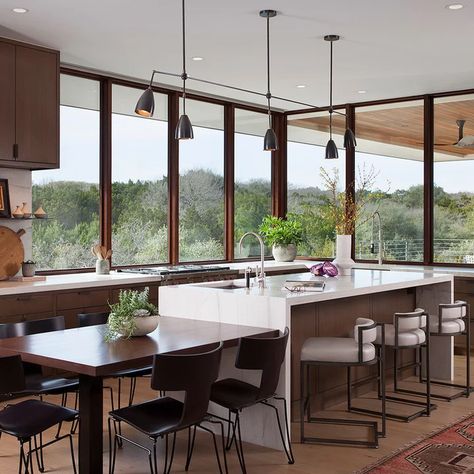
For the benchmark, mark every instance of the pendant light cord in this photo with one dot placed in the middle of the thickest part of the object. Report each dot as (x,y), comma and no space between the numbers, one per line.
(268,74)
(330,92)
(184,76)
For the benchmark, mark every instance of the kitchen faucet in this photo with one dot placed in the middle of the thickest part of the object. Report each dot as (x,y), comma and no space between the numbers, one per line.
(372,245)
(261,276)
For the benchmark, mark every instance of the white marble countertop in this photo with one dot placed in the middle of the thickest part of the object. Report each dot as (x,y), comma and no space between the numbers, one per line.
(361,282)
(90,280)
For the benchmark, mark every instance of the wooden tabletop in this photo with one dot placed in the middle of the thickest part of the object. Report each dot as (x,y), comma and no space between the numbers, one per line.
(84,351)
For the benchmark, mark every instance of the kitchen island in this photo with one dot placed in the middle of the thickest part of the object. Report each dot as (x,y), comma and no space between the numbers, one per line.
(375,294)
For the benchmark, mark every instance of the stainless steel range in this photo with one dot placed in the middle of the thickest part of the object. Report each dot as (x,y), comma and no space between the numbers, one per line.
(175,269)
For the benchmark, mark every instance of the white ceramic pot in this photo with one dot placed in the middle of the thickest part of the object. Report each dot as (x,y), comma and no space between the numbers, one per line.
(284,253)
(343,259)
(145,325)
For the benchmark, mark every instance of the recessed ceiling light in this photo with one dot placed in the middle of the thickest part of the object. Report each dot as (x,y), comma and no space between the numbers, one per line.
(301,86)
(197,58)
(361,92)
(455,6)
(20,10)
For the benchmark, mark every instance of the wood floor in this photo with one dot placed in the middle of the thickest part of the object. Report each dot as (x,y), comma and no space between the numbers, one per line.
(309,459)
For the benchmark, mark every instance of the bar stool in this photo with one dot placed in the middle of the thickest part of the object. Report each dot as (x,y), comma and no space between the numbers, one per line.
(346,352)
(454,320)
(408,331)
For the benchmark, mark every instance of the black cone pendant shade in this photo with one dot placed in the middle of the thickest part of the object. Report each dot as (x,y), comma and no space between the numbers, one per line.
(270,142)
(184,129)
(146,104)
(349,139)
(331,150)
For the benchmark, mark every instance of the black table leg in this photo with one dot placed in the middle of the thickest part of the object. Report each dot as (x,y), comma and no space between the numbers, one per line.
(90,428)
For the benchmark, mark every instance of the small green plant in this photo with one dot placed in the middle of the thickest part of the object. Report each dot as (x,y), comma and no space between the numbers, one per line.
(131,304)
(278,231)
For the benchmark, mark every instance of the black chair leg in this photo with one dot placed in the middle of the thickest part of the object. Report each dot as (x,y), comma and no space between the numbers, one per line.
(73,459)
(133,386)
(230,426)
(285,442)
(167,465)
(112,446)
(238,445)
(216,449)
(191,439)
(39,451)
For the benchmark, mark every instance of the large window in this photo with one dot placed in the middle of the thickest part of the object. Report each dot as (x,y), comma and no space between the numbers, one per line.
(253,171)
(201,185)
(389,169)
(453,238)
(307,196)
(70,195)
(139,180)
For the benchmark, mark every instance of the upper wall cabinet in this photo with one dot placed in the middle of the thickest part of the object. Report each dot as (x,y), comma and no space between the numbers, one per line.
(29,106)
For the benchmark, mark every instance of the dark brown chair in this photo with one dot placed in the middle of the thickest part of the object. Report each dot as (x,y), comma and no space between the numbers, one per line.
(94,319)
(28,419)
(192,374)
(265,354)
(35,382)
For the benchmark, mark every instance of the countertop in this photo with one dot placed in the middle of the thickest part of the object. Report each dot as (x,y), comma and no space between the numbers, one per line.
(361,282)
(90,280)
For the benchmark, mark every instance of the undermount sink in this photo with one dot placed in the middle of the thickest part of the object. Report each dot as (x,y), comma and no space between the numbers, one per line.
(382,268)
(227,286)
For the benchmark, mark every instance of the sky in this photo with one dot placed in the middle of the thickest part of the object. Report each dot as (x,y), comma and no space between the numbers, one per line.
(139,151)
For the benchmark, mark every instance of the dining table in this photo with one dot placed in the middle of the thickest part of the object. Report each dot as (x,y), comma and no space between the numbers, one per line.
(85,352)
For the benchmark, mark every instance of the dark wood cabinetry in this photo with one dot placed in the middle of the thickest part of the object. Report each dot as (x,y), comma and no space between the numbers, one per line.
(7,101)
(29,106)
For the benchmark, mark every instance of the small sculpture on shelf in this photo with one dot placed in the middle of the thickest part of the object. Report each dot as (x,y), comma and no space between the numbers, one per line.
(40,213)
(17,213)
(25,209)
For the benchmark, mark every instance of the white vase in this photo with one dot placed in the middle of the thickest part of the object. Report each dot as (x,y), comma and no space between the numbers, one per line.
(145,325)
(343,259)
(284,253)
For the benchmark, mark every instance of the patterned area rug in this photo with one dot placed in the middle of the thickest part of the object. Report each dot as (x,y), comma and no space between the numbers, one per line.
(448,451)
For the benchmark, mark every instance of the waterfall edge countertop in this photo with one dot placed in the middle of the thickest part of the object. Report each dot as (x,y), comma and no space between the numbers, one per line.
(361,282)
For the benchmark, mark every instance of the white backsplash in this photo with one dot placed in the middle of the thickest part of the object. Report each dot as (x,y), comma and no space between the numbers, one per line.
(19,183)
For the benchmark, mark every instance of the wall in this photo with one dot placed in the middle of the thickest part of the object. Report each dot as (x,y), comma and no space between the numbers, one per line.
(19,182)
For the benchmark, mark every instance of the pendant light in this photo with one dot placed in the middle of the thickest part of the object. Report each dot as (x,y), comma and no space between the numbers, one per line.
(349,137)
(184,129)
(331,148)
(270,142)
(146,103)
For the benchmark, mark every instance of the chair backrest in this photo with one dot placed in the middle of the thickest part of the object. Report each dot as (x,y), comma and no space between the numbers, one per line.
(367,332)
(3,331)
(92,319)
(193,374)
(409,321)
(13,377)
(457,310)
(26,328)
(266,354)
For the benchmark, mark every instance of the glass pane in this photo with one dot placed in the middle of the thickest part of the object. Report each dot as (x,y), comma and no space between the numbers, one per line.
(307,195)
(70,195)
(139,180)
(453,172)
(389,168)
(201,185)
(253,179)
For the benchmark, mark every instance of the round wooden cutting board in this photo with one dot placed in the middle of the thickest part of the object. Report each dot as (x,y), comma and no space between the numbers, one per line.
(12,252)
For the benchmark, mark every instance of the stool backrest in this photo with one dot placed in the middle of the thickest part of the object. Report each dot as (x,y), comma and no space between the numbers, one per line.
(404,322)
(457,310)
(266,354)
(365,330)
(92,319)
(193,374)
(13,377)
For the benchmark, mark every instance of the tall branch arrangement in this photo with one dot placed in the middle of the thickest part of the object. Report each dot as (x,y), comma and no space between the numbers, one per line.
(346,209)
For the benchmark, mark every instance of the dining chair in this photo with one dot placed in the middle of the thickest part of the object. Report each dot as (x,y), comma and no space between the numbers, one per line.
(94,319)
(190,373)
(35,382)
(28,419)
(254,353)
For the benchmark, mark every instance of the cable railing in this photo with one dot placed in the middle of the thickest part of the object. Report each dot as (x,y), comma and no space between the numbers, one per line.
(411,250)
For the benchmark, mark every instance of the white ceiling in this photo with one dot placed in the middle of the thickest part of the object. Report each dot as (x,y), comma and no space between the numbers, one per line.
(389,48)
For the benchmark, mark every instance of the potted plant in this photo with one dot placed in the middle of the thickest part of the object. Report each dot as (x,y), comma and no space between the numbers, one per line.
(283,235)
(133,315)
(345,209)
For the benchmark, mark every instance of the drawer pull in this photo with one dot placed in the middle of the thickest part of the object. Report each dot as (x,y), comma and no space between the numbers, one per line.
(24,298)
